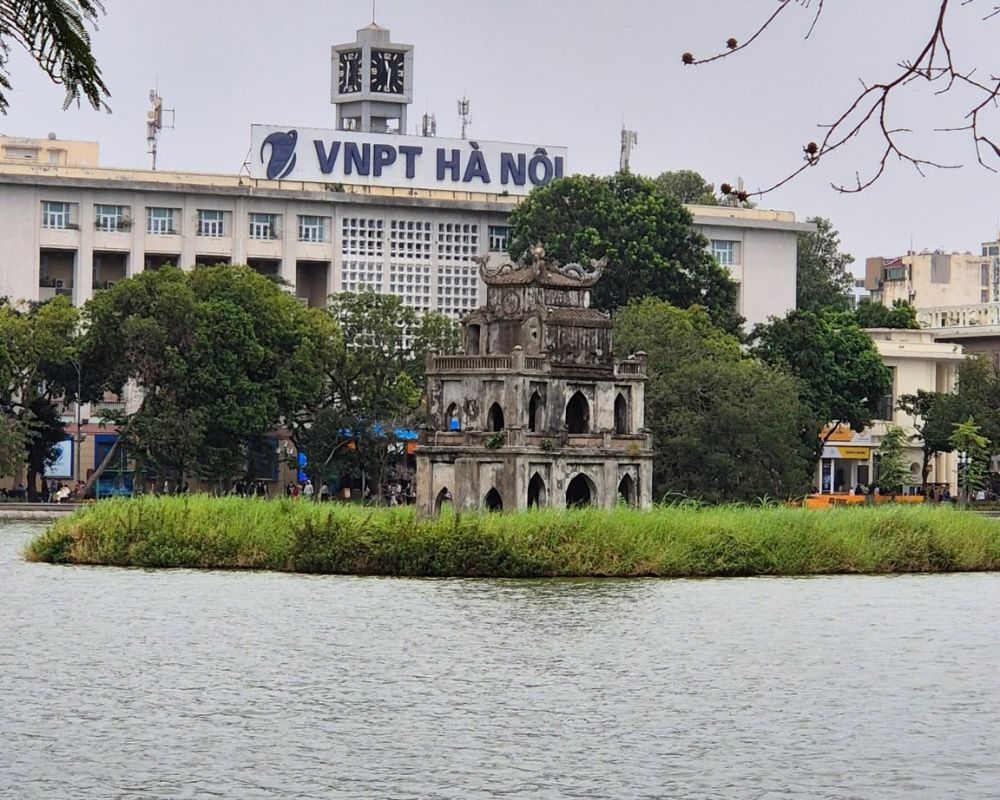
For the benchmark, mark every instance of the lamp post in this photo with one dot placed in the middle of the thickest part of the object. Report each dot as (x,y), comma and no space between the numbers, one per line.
(963,466)
(76,447)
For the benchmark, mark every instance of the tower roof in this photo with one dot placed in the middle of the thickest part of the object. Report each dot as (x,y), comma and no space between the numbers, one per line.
(532,268)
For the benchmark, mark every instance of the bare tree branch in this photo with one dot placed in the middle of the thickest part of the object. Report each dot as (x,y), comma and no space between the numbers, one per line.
(934,63)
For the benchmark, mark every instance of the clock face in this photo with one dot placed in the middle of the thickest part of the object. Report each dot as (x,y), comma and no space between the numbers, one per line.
(350,72)
(387,71)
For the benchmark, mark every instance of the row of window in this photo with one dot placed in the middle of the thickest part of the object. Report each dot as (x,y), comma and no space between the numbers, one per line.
(360,236)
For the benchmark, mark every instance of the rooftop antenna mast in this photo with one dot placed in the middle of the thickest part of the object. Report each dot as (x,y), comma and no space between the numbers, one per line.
(154,122)
(428,125)
(463,112)
(630,139)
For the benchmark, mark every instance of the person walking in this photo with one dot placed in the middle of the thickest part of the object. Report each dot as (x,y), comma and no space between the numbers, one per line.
(308,490)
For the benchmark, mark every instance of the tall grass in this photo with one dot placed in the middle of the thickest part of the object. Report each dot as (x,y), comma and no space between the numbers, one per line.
(673,541)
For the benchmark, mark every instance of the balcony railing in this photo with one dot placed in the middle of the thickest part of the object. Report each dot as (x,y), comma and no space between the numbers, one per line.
(959,316)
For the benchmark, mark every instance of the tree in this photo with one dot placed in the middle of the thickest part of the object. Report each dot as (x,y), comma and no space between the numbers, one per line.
(686,186)
(37,345)
(934,65)
(841,373)
(975,457)
(221,355)
(934,417)
(54,32)
(646,236)
(892,472)
(979,389)
(823,280)
(372,388)
(725,427)
(876,315)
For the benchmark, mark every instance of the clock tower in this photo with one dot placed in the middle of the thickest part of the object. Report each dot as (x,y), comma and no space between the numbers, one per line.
(372,82)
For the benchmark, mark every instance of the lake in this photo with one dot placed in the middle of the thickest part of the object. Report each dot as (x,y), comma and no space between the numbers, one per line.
(124,683)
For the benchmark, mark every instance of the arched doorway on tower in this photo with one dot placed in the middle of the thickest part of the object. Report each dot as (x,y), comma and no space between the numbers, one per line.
(493,501)
(536,492)
(581,492)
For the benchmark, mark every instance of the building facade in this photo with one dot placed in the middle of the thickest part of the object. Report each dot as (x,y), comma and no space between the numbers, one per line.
(536,411)
(929,279)
(917,361)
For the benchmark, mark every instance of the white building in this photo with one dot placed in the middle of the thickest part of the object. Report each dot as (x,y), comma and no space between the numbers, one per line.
(325,210)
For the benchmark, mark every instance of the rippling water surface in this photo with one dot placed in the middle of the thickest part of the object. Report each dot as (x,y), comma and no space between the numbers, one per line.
(179,684)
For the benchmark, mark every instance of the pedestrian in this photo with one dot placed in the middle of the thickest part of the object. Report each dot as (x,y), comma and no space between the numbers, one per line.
(308,490)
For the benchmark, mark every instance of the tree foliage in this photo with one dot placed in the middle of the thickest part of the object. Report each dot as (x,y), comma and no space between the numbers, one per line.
(934,417)
(645,235)
(893,473)
(974,450)
(725,427)
(841,373)
(686,186)
(37,349)
(823,278)
(55,35)
(876,315)
(979,390)
(220,355)
(372,387)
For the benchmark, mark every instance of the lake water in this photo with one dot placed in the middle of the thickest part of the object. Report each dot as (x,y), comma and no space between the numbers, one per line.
(181,684)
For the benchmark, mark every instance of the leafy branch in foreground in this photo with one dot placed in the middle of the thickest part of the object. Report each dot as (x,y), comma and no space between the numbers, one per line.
(934,64)
(54,32)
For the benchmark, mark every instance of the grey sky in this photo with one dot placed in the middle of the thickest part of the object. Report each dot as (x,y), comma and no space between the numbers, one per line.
(561,72)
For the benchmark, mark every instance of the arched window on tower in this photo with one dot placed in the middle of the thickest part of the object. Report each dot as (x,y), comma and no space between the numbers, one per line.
(535,412)
(494,418)
(536,491)
(493,501)
(578,414)
(621,415)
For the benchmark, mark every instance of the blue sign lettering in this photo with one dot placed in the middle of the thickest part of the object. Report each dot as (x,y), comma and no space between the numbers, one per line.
(513,169)
(453,164)
(326,160)
(355,160)
(410,153)
(476,168)
(384,156)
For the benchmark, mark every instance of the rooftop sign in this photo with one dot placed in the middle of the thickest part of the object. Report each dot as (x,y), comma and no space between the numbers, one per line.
(405,162)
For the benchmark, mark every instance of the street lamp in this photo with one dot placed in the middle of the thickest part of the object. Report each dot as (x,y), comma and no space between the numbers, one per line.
(963,466)
(79,384)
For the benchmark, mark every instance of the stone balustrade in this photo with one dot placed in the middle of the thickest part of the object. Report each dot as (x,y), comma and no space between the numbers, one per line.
(519,362)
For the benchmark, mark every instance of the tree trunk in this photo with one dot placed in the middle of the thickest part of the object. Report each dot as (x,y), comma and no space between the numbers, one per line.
(97,473)
(32,484)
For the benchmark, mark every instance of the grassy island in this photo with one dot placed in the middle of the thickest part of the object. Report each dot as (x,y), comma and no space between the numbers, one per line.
(209,533)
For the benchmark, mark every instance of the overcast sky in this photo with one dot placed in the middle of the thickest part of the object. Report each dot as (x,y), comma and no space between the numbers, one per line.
(564,72)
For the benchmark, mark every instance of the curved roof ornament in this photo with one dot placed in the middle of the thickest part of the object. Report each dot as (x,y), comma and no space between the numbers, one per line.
(532,267)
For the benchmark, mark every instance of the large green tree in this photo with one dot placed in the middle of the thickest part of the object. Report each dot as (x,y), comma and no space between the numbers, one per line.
(55,35)
(686,186)
(892,472)
(823,278)
(841,373)
(37,350)
(647,237)
(725,427)
(220,356)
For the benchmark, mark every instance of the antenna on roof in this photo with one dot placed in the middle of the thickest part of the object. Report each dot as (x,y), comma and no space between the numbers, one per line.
(154,122)
(630,139)
(428,125)
(463,112)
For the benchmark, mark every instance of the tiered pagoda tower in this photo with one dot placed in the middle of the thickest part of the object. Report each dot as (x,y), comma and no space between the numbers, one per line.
(535,410)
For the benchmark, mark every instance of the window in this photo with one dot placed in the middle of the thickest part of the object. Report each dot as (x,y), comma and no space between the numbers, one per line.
(57,215)
(111,218)
(887,403)
(210,223)
(724,252)
(161,221)
(498,238)
(312,229)
(984,296)
(895,274)
(984,274)
(457,241)
(361,245)
(263,226)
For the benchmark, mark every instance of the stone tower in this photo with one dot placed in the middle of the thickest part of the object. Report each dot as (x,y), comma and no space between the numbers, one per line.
(535,410)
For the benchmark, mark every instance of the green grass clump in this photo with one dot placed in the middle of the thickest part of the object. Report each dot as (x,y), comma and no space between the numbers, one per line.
(674,541)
